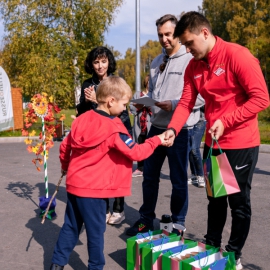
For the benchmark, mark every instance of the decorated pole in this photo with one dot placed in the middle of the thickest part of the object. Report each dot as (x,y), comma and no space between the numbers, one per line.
(45,159)
(43,107)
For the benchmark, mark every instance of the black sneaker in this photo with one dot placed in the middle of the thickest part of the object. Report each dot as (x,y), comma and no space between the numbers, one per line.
(56,267)
(139,227)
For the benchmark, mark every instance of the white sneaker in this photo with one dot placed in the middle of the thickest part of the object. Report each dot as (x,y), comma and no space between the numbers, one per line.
(116,218)
(108,217)
(239,266)
(192,180)
(137,173)
(201,182)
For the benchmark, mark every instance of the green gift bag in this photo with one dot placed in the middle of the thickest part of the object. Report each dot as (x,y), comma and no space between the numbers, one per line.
(152,255)
(218,174)
(136,243)
(173,261)
(216,261)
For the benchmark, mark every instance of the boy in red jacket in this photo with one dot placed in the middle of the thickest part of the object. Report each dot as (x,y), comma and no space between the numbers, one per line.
(97,156)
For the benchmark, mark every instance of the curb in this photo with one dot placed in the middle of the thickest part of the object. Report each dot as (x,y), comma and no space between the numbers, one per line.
(16,139)
(264,148)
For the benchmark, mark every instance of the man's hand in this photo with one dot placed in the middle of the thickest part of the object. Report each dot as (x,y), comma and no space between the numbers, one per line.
(165,105)
(169,137)
(138,106)
(217,129)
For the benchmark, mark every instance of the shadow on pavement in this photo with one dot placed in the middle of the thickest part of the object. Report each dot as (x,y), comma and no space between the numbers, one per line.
(22,190)
(119,256)
(45,235)
(258,171)
(164,176)
(251,266)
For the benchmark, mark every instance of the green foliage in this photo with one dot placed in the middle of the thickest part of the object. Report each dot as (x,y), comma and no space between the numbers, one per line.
(68,120)
(246,22)
(44,39)
(127,66)
(264,132)
(264,116)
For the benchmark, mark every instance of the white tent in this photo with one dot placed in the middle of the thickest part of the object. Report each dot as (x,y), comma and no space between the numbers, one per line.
(6,111)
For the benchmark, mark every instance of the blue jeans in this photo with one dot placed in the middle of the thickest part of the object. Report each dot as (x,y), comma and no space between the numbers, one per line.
(195,158)
(178,163)
(91,212)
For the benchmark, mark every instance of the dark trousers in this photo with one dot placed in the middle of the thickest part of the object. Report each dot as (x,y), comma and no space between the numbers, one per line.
(118,205)
(195,158)
(141,139)
(178,162)
(92,213)
(243,162)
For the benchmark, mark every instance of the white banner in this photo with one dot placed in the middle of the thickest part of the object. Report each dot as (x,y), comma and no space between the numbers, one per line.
(6,110)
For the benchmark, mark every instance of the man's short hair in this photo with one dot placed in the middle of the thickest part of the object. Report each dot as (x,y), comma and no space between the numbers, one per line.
(113,86)
(165,18)
(193,22)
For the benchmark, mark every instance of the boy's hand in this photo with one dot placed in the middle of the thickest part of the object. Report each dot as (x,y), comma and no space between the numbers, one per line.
(63,172)
(169,137)
(162,138)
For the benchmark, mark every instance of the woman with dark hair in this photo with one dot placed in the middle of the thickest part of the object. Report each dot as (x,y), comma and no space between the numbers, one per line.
(100,63)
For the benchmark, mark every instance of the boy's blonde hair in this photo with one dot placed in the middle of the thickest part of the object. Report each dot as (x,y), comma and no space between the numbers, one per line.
(113,86)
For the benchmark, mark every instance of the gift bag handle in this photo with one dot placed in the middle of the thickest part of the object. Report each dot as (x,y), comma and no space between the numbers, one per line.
(150,234)
(214,140)
(152,245)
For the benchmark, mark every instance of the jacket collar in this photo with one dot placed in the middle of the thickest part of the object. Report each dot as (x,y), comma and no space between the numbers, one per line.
(213,54)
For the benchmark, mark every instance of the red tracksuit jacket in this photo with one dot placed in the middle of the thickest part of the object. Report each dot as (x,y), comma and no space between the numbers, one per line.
(98,155)
(234,89)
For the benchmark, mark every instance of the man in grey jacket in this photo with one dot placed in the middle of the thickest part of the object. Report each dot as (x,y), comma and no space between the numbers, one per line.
(166,86)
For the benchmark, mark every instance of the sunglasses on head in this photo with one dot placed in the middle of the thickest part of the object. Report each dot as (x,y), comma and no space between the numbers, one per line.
(163,65)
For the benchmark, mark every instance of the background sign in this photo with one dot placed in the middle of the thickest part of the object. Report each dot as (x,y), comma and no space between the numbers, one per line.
(6,110)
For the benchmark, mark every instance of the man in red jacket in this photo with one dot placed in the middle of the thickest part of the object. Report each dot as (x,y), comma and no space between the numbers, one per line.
(230,80)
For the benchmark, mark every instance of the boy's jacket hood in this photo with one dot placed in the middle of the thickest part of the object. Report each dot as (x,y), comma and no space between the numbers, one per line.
(90,129)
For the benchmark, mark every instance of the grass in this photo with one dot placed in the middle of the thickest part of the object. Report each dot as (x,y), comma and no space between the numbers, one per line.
(264,125)
(264,132)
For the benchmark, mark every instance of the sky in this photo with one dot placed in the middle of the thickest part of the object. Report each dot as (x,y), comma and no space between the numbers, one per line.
(122,34)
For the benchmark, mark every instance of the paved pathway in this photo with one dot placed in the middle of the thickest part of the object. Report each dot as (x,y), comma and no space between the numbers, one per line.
(26,244)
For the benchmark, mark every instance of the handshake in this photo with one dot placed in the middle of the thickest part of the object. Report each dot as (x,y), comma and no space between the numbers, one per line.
(167,137)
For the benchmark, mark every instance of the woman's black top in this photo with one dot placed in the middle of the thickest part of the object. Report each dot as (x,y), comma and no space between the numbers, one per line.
(84,106)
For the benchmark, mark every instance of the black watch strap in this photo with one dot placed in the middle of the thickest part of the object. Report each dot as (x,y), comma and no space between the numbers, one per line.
(174,131)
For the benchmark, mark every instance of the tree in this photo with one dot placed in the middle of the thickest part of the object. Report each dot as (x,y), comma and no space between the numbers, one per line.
(126,66)
(246,22)
(47,37)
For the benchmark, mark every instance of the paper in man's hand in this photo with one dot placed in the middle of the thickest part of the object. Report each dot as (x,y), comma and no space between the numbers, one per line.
(145,100)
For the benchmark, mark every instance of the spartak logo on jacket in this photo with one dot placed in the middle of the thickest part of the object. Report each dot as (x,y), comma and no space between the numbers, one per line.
(219,71)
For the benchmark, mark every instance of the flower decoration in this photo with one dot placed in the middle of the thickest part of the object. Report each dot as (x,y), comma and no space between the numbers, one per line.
(40,105)
(44,107)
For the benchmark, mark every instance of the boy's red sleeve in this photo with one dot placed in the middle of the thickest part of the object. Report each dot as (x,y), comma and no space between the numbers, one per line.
(132,150)
(65,150)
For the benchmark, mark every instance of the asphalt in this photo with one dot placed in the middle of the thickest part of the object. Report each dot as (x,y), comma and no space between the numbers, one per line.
(26,244)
